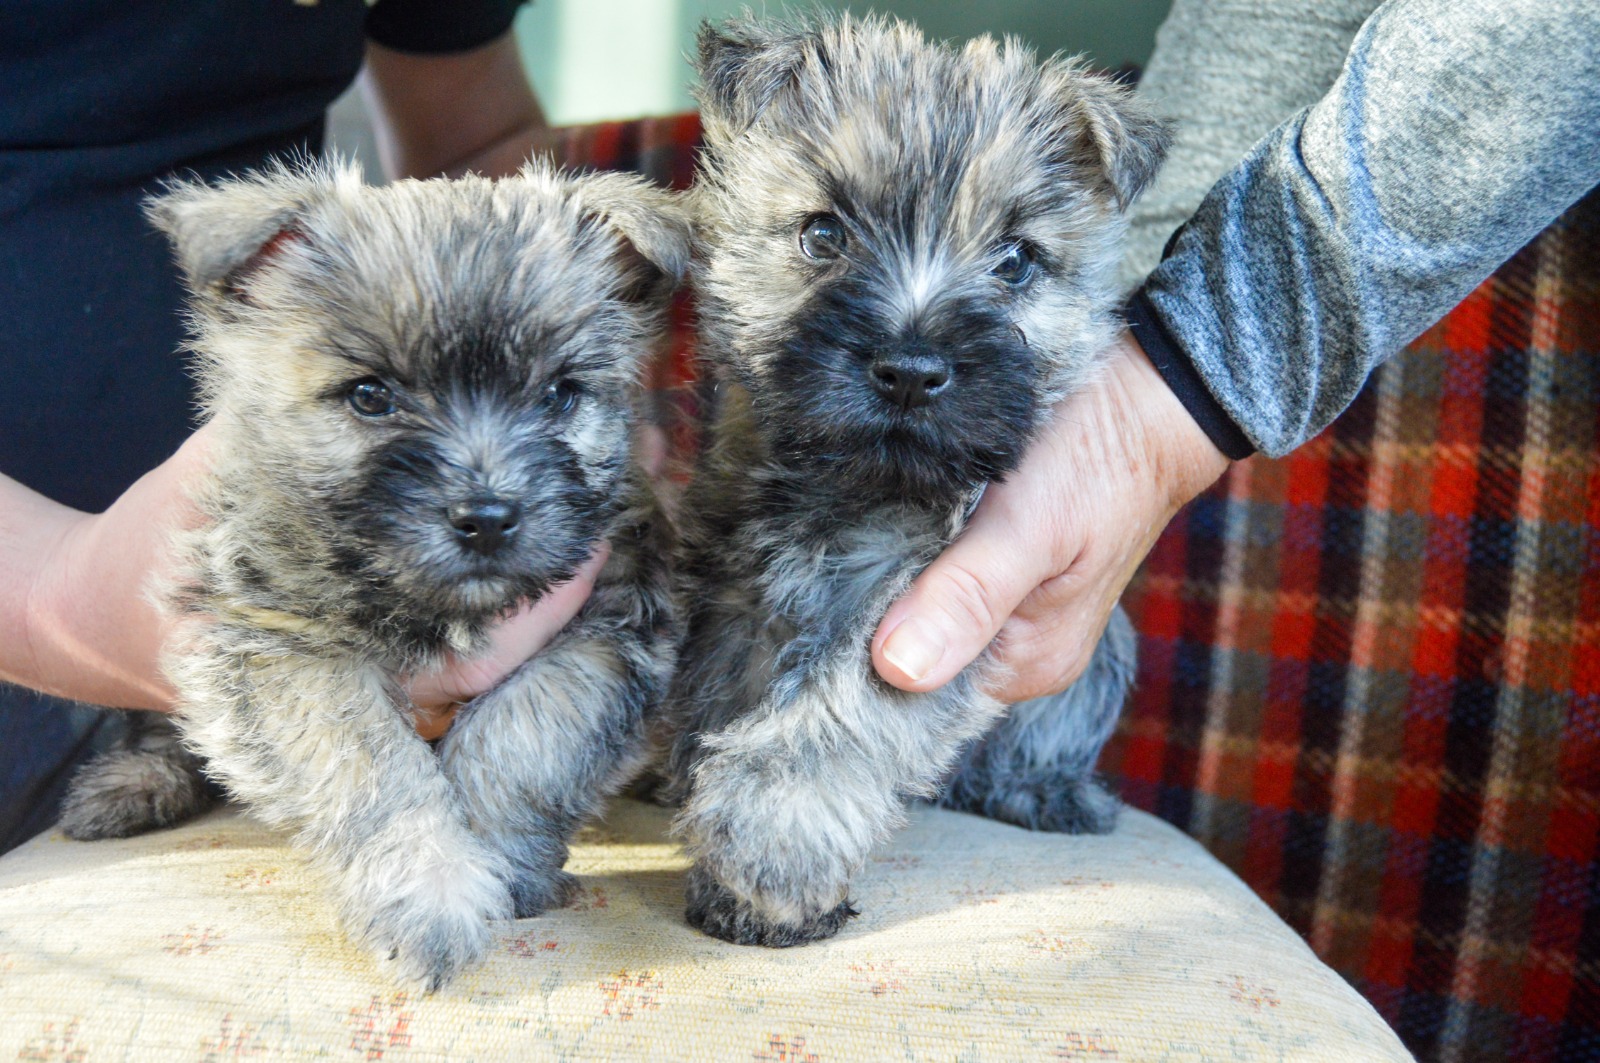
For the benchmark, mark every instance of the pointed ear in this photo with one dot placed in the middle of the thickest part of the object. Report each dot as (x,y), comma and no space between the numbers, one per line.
(651,226)
(226,232)
(1111,130)
(745,64)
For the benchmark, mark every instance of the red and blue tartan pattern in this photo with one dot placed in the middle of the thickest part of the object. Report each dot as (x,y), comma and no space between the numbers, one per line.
(1370,671)
(663,149)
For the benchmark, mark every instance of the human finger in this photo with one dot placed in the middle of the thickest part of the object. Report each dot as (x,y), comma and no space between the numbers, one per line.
(958,604)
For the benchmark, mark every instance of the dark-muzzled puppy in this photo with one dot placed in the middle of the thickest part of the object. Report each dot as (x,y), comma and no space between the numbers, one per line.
(423,396)
(907,256)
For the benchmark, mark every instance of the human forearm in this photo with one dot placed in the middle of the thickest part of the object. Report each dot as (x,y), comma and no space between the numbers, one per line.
(1226,75)
(1455,133)
(453,113)
(30,528)
(74,619)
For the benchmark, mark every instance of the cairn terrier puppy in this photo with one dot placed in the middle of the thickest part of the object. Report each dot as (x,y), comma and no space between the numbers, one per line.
(907,258)
(423,396)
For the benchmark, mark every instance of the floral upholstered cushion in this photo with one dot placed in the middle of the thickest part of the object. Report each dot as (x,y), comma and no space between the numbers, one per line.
(977,941)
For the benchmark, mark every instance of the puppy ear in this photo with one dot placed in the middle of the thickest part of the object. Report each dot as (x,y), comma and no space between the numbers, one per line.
(227,232)
(745,64)
(651,228)
(1111,129)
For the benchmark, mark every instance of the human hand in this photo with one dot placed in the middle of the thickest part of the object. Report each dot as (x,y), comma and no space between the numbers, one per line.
(1048,552)
(438,693)
(89,633)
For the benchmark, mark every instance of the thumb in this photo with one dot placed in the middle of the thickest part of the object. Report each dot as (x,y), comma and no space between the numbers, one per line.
(957,606)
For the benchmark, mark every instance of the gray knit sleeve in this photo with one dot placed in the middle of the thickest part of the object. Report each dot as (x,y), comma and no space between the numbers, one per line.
(1225,73)
(1454,134)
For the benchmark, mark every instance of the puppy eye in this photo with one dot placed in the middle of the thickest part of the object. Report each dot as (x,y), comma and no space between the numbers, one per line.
(371,397)
(822,237)
(1017,264)
(560,396)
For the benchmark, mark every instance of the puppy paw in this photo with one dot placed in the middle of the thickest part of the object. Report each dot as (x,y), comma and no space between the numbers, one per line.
(1056,803)
(428,955)
(713,909)
(434,923)
(124,793)
(534,894)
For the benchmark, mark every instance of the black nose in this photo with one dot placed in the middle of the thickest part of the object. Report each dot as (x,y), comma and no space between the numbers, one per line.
(484,524)
(909,379)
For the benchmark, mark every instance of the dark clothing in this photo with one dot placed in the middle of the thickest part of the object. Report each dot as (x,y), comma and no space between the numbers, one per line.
(102,101)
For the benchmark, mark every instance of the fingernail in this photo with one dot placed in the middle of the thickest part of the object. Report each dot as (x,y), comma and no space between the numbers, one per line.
(915,648)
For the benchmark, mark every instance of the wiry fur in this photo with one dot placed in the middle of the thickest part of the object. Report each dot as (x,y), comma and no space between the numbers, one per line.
(817,500)
(329,569)
(150,781)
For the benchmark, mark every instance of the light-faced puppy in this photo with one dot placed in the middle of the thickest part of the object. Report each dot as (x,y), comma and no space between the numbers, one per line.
(422,396)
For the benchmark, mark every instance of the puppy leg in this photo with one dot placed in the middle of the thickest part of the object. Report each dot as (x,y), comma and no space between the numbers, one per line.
(537,755)
(1036,768)
(152,781)
(320,746)
(785,803)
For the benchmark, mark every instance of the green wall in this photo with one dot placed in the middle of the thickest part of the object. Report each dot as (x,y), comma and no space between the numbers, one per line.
(598,59)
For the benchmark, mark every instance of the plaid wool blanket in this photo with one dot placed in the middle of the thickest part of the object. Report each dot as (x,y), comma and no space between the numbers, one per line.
(1370,672)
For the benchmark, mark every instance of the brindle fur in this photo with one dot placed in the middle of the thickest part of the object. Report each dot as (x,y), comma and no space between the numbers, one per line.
(817,500)
(328,569)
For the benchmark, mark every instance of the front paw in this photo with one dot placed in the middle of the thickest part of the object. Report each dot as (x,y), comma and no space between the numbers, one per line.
(433,922)
(713,909)
(124,793)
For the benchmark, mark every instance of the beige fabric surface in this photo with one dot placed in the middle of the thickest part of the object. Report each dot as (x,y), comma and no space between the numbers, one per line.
(978,941)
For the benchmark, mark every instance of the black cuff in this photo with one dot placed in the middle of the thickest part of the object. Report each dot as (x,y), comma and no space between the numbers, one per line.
(1180,374)
(432,27)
